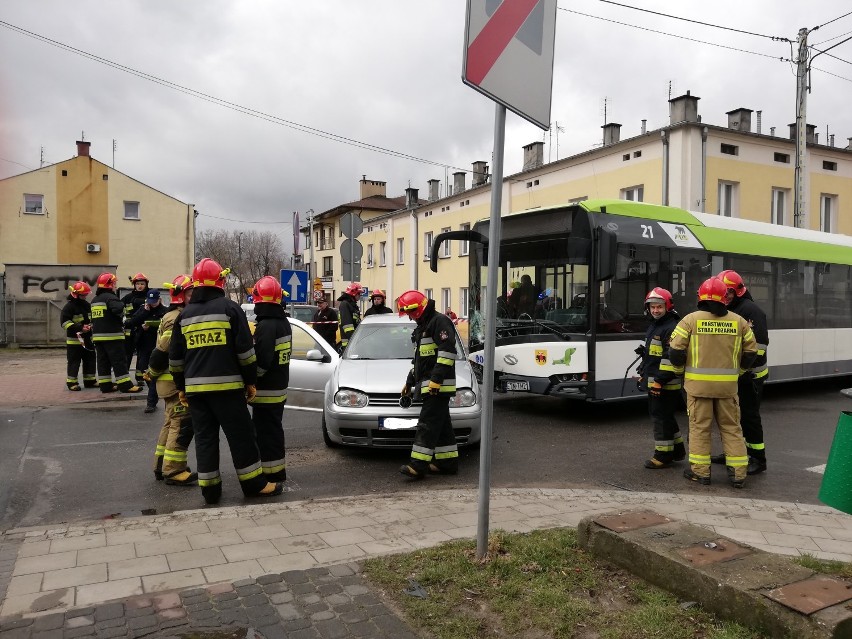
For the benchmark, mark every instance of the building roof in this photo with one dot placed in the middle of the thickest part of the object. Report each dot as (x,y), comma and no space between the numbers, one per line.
(372,203)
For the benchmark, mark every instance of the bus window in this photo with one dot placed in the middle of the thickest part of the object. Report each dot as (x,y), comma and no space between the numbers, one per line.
(757,275)
(622,305)
(832,296)
(791,300)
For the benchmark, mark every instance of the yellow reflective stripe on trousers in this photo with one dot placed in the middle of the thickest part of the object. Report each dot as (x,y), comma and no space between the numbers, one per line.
(175,455)
(249,472)
(209,479)
(208,388)
(446,452)
(160,451)
(107,337)
(419,452)
(736,461)
(269,399)
(699,459)
(273,466)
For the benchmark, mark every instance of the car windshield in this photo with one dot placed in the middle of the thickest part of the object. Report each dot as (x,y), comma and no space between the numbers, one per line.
(386,341)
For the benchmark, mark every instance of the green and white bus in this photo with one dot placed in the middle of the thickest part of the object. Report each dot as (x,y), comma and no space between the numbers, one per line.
(573,279)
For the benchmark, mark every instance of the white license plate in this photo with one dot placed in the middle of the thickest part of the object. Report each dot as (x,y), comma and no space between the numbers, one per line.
(517,386)
(397,423)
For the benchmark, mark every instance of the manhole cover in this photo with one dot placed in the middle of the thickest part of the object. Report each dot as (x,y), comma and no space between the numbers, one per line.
(713,552)
(623,522)
(812,594)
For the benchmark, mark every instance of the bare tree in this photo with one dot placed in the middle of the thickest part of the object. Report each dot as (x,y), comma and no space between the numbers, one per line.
(249,254)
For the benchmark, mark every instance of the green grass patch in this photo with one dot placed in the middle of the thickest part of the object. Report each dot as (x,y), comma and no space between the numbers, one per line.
(827,567)
(536,585)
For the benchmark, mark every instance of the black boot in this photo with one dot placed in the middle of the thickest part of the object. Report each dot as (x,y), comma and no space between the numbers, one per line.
(444,469)
(659,460)
(211,494)
(414,470)
(736,483)
(679,453)
(718,459)
(158,471)
(704,481)
(756,465)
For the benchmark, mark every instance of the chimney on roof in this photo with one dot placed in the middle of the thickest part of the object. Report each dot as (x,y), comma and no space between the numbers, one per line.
(458,182)
(759,119)
(433,189)
(831,140)
(740,120)
(411,200)
(611,133)
(810,133)
(480,173)
(849,144)
(533,155)
(83,148)
(684,108)
(369,188)
(644,127)
(772,131)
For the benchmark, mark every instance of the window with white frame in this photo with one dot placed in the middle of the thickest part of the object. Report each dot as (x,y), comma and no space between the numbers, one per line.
(445,300)
(728,199)
(131,210)
(445,249)
(428,293)
(33,204)
(634,193)
(779,206)
(369,256)
(427,245)
(464,248)
(400,250)
(827,213)
(383,253)
(463,303)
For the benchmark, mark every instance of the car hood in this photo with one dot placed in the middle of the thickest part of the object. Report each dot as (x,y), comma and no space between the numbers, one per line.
(386,375)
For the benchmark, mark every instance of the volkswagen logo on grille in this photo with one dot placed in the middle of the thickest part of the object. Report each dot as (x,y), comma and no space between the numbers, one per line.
(511,360)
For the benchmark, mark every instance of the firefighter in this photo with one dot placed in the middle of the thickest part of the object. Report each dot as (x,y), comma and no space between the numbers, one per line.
(133,301)
(350,314)
(324,320)
(377,298)
(214,367)
(750,384)
(76,319)
(712,346)
(170,459)
(272,344)
(432,377)
(658,378)
(144,324)
(108,336)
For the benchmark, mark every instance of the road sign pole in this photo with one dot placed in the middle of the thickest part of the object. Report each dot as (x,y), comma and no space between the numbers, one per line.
(494,228)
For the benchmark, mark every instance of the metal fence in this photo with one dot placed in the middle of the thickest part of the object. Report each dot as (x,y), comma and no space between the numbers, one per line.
(29,322)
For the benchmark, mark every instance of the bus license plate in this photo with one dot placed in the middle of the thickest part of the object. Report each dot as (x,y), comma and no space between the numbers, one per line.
(517,386)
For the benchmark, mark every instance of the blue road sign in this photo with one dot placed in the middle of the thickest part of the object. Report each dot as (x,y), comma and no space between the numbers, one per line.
(296,284)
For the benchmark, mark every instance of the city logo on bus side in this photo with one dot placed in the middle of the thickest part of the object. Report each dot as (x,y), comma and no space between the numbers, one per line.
(566,359)
(541,357)
(680,235)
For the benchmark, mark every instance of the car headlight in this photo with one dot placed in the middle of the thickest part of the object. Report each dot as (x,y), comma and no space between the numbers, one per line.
(463,398)
(350,398)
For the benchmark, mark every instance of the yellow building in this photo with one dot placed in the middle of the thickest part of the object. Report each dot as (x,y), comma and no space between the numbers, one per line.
(728,170)
(74,219)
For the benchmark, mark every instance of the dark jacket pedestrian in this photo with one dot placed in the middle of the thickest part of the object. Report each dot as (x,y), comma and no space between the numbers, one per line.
(325,322)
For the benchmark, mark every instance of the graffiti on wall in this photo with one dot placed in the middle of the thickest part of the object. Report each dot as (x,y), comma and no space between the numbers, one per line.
(48,281)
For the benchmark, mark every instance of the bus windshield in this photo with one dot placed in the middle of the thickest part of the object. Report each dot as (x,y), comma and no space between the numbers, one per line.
(543,285)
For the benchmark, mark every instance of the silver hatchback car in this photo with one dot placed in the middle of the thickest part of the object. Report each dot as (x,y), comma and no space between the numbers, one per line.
(361,405)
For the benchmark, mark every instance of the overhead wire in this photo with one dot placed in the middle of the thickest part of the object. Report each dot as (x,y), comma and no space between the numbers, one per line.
(834,20)
(229,219)
(227,104)
(706,24)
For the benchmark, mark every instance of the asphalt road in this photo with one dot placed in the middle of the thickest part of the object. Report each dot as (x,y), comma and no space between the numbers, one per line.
(66,464)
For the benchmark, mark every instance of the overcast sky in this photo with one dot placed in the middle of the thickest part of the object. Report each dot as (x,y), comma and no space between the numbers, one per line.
(383,72)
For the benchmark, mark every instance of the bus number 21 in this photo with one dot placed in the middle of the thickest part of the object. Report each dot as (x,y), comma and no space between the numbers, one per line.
(647,231)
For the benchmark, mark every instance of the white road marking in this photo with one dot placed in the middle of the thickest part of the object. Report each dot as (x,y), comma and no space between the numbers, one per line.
(817,469)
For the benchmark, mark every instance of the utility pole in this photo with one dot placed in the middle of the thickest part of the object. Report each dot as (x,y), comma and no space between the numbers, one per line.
(799,206)
(113,153)
(41,161)
(310,214)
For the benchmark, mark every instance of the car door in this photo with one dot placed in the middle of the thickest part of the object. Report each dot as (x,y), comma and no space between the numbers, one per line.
(309,376)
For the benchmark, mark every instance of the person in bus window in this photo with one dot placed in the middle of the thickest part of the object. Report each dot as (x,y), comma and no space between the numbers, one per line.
(659,380)
(525,297)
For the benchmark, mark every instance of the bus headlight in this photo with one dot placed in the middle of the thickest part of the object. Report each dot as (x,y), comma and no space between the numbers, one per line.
(463,398)
(348,398)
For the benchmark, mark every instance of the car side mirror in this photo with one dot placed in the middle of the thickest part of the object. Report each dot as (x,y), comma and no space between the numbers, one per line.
(315,355)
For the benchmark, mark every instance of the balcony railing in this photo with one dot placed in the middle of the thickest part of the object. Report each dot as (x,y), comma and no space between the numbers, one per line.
(326,244)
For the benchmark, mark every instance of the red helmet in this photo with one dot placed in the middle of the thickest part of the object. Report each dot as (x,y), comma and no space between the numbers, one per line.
(412,303)
(139,277)
(80,289)
(377,293)
(660,296)
(178,287)
(267,291)
(354,289)
(209,273)
(106,280)
(712,290)
(733,281)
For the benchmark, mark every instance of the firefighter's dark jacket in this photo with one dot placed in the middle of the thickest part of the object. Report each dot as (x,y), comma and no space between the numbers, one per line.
(107,316)
(212,348)
(434,352)
(380,309)
(74,315)
(133,301)
(146,340)
(655,362)
(272,344)
(350,316)
(748,309)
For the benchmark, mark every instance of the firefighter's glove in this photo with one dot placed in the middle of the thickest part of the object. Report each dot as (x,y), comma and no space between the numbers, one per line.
(405,391)
(251,391)
(639,384)
(434,388)
(147,376)
(182,399)
(640,350)
(655,389)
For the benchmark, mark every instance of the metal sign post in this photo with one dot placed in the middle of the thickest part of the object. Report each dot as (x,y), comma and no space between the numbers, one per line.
(508,56)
